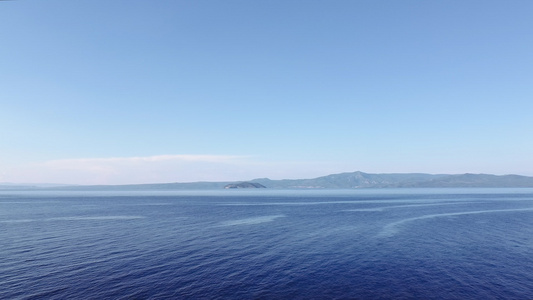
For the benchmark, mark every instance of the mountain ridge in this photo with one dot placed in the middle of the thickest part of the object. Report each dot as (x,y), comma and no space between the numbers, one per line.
(348,180)
(360,179)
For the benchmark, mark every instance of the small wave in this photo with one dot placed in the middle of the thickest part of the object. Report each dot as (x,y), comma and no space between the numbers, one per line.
(18,221)
(404,206)
(433,202)
(90,218)
(95,218)
(251,221)
(393,228)
(28,202)
(149,204)
(366,209)
(289,203)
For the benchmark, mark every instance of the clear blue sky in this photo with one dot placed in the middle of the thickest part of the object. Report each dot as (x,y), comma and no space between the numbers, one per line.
(161,91)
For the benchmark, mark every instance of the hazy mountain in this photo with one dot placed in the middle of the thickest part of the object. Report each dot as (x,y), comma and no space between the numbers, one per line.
(352,180)
(400,180)
(349,181)
(475,180)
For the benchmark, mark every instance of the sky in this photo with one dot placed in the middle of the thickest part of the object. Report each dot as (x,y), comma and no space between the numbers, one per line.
(124,92)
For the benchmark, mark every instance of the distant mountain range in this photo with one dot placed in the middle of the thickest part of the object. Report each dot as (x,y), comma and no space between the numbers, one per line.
(401,180)
(352,180)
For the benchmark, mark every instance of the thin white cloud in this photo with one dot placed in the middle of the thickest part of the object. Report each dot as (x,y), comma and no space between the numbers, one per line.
(77,162)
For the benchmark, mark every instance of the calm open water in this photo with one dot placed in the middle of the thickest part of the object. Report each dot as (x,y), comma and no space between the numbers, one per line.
(262,244)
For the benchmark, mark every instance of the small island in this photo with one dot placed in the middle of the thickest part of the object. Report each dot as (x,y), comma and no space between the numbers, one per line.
(244,185)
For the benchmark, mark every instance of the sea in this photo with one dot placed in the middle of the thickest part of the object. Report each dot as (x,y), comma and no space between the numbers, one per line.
(267,244)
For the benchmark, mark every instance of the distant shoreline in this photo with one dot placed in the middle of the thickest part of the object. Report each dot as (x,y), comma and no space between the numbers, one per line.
(353,180)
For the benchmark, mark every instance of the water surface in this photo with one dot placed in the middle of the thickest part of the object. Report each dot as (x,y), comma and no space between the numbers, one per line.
(343,244)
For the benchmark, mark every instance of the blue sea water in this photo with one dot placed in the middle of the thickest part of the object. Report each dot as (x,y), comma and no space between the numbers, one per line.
(262,244)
